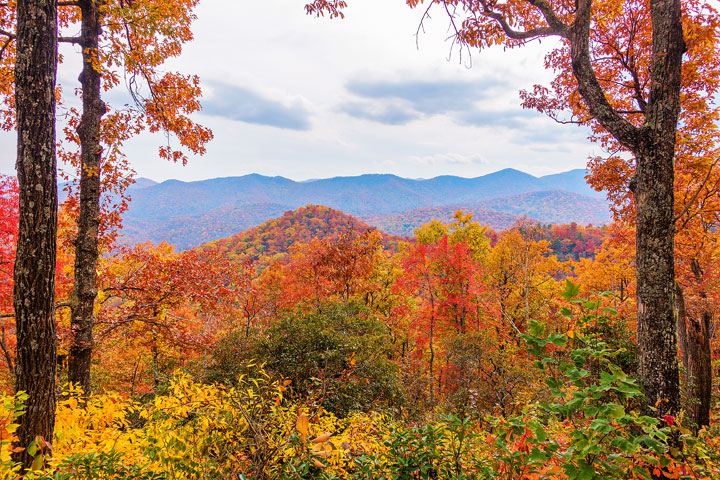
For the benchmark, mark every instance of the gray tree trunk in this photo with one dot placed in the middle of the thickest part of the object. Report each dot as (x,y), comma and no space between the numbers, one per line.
(654,147)
(86,243)
(34,275)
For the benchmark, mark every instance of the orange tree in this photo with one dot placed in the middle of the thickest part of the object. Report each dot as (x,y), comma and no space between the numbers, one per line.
(441,274)
(136,38)
(619,69)
(8,238)
(157,307)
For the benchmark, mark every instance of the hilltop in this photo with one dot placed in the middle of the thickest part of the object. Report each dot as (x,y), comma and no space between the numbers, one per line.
(275,237)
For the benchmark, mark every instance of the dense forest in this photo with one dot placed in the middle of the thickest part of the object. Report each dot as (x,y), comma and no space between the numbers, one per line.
(315,347)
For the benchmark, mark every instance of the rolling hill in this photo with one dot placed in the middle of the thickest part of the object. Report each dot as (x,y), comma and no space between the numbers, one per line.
(556,206)
(275,237)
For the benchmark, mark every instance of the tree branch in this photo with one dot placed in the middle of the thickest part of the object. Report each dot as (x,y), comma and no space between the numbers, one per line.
(6,352)
(551,17)
(560,29)
(697,192)
(589,86)
(75,40)
(5,46)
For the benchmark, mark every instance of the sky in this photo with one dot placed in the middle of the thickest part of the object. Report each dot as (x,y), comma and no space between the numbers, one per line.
(292,95)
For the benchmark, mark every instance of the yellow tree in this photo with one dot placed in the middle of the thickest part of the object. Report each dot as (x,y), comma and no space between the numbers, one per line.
(611,270)
(521,277)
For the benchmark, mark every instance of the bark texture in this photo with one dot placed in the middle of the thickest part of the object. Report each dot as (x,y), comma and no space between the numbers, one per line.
(86,243)
(654,147)
(34,275)
(694,341)
(655,264)
(655,200)
(699,368)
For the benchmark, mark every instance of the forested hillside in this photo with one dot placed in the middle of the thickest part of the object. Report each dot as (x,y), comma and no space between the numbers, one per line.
(273,239)
(558,207)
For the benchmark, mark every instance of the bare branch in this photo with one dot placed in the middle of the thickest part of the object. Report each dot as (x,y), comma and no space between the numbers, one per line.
(75,40)
(697,192)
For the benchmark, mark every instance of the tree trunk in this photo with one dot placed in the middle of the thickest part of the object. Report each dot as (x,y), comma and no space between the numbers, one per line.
(86,243)
(681,325)
(697,357)
(655,263)
(699,370)
(653,145)
(34,275)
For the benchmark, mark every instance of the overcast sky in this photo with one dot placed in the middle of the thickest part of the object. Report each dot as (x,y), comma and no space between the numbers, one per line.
(292,95)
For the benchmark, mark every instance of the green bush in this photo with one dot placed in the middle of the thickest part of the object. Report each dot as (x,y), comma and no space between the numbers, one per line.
(338,355)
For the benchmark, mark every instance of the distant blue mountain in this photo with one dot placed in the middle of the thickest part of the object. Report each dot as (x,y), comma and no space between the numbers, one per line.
(173,210)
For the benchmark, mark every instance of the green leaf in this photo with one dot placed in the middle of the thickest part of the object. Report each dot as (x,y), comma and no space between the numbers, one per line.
(37,462)
(615,410)
(32,449)
(587,472)
(571,290)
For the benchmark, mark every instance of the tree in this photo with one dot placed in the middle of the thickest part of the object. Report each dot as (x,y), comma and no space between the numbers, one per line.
(440,270)
(157,306)
(520,275)
(639,113)
(338,355)
(135,37)
(8,240)
(697,184)
(139,37)
(34,271)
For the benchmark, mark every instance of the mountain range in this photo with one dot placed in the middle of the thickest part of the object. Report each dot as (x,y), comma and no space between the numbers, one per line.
(192,213)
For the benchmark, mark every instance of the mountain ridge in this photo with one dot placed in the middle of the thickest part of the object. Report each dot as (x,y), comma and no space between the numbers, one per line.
(191,213)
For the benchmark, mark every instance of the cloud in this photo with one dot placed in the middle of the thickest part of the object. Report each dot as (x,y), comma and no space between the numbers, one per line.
(551,134)
(429,97)
(245,105)
(467,103)
(513,119)
(386,114)
(449,159)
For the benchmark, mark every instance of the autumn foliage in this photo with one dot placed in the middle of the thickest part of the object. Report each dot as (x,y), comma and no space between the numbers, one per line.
(314,346)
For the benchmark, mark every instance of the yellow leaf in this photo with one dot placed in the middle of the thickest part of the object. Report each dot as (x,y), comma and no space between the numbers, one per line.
(302,426)
(323,437)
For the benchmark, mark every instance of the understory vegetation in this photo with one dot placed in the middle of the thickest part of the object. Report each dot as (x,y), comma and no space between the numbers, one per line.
(586,421)
(461,354)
